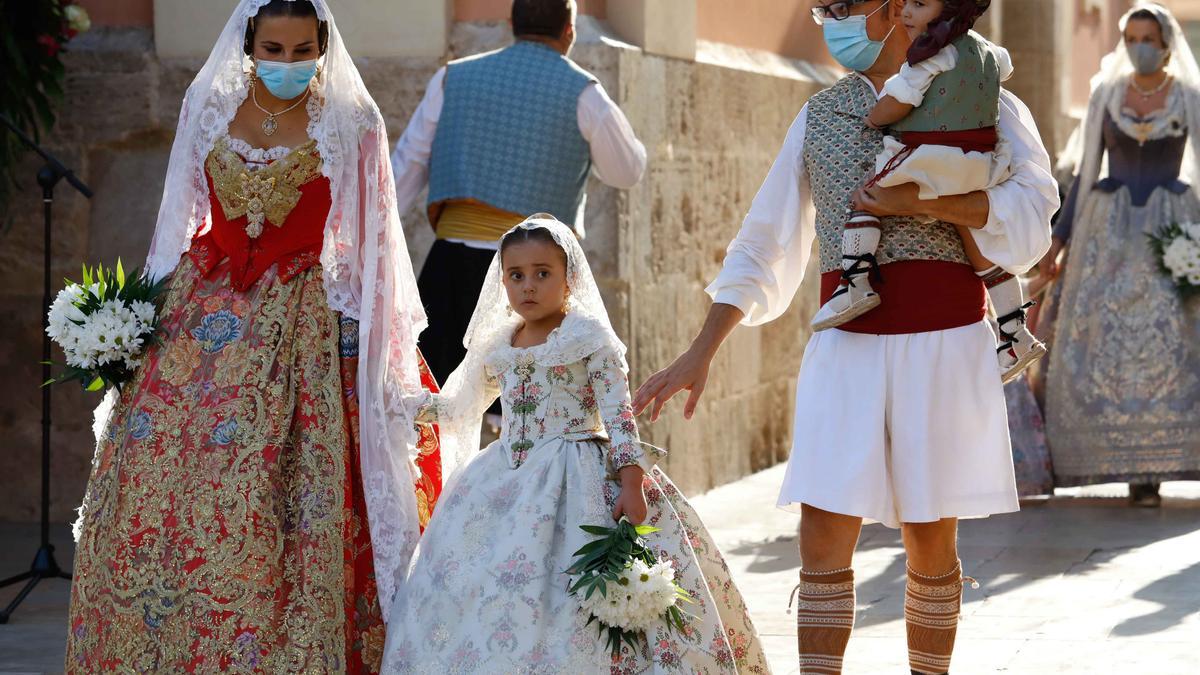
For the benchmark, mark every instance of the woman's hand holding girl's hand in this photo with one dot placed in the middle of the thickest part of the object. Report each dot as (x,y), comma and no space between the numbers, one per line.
(631,503)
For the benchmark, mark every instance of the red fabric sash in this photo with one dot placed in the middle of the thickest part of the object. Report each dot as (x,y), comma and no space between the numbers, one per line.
(917,296)
(967,140)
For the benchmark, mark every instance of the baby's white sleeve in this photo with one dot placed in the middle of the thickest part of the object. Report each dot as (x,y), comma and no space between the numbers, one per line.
(1004,62)
(911,83)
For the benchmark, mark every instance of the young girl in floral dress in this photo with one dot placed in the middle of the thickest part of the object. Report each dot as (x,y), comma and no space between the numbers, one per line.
(488,590)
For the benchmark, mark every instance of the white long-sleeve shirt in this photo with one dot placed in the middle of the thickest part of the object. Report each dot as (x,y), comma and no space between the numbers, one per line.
(618,157)
(765,263)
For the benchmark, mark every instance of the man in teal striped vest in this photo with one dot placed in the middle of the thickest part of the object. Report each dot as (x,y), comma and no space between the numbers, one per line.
(499,137)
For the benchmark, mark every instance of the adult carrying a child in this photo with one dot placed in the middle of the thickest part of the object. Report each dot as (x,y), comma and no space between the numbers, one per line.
(900,413)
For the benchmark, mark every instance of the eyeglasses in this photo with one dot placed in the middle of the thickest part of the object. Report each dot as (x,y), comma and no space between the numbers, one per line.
(834,10)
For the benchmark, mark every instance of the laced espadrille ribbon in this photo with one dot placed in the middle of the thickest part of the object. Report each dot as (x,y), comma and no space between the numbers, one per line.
(1007,339)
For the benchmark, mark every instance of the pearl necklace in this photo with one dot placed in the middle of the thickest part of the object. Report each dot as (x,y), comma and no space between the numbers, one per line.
(270,125)
(1148,94)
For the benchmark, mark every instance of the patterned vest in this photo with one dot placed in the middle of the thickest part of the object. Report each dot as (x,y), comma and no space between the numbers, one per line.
(839,156)
(509,133)
(967,97)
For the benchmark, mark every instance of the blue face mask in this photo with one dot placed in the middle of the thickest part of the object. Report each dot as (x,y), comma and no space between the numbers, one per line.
(286,80)
(849,43)
(1147,58)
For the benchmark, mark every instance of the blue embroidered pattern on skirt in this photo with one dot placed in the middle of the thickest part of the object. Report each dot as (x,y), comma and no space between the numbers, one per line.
(349,337)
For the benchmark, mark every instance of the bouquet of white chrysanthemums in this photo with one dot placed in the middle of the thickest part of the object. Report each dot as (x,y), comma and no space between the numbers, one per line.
(1178,250)
(623,587)
(104,325)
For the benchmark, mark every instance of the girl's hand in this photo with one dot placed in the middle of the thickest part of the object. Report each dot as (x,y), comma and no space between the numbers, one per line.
(631,503)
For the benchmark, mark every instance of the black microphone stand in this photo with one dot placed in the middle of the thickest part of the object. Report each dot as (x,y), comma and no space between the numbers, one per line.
(44,565)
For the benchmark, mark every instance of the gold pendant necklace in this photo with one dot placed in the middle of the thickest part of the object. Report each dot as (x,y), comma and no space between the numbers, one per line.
(270,125)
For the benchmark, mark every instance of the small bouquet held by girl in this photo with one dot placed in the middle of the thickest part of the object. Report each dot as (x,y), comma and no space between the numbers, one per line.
(104,325)
(942,111)
(624,589)
(490,588)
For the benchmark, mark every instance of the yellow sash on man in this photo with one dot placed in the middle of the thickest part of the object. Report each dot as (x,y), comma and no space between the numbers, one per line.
(473,221)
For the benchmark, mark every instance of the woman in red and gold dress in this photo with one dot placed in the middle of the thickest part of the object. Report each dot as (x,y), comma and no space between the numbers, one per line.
(252,504)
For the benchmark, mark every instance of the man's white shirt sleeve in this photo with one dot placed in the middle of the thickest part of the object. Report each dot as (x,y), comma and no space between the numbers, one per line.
(1017,233)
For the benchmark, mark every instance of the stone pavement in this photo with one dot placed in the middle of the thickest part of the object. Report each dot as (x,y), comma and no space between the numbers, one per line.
(1078,584)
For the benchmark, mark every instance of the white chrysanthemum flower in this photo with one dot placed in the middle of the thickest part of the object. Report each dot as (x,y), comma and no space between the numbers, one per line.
(638,600)
(63,313)
(1182,257)
(144,311)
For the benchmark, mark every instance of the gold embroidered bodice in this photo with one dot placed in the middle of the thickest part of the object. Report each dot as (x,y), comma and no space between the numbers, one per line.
(263,195)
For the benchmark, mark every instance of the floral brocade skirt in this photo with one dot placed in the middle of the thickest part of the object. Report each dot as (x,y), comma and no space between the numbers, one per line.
(1123,385)
(224,525)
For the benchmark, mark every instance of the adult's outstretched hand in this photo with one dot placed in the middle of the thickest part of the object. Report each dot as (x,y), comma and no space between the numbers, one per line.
(689,371)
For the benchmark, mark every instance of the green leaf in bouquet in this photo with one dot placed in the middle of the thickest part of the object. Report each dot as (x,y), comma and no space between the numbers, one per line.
(596,530)
(643,530)
(590,547)
(120,274)
(614,638)
(96,384)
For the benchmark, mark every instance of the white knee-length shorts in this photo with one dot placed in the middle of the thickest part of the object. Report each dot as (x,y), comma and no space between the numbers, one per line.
(901,428)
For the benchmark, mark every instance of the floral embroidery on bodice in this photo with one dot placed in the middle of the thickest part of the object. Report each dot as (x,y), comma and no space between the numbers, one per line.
(572,387)
(542,402)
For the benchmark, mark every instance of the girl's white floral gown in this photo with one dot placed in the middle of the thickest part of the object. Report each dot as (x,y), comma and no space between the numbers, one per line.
(487,591)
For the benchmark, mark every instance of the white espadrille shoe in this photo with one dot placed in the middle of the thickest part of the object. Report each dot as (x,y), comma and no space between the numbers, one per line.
(1018,348)
(853,298)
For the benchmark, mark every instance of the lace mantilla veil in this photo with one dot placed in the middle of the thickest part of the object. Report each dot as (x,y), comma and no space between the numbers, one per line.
(1084,155)
(586,329)
(364,259)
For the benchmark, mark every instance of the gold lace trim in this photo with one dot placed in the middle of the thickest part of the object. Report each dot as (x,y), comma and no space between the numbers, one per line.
(266,195)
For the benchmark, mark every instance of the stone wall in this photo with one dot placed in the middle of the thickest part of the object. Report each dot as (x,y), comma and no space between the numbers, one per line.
(711,127)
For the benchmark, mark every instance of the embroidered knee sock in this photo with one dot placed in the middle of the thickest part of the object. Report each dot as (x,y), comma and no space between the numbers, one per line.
(1004,290)
(824,619)
(931,606)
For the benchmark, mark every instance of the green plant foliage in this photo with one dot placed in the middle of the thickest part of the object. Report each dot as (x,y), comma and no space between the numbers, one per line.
(32,35)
